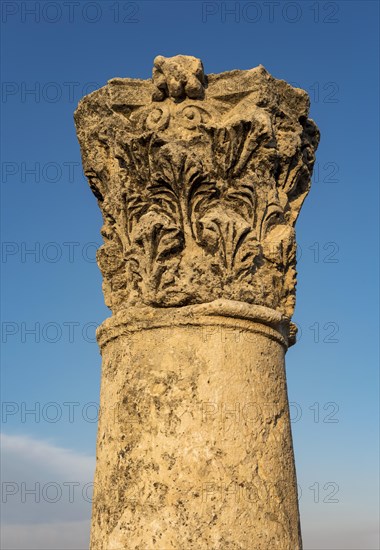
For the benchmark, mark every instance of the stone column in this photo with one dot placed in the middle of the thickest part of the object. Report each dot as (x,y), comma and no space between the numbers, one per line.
(200,180)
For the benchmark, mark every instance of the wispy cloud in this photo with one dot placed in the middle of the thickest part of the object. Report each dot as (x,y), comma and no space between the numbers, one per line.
(342,536)
(72,535)
(45,495)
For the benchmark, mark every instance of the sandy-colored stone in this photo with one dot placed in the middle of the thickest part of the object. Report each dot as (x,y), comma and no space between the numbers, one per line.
(200,180)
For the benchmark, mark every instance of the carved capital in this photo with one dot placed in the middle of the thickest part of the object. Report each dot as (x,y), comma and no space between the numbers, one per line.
(200,182)
(178,77)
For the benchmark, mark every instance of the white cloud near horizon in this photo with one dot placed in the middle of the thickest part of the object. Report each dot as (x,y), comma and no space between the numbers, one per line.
(72,535)
(47,457)
(45,495)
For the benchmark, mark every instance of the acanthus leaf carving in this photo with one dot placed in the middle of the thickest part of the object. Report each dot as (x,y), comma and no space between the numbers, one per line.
(199,192)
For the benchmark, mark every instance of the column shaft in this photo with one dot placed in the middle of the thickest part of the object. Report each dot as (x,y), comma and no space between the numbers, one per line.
(194,442)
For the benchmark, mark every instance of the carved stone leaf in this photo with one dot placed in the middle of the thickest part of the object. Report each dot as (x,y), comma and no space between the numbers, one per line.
(200,181)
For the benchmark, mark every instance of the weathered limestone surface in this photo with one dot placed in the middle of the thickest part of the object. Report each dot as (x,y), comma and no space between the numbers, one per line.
(200,180)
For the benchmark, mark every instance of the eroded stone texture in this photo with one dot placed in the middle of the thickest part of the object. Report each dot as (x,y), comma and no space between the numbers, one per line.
(200,180)
(199,184)
(194,447)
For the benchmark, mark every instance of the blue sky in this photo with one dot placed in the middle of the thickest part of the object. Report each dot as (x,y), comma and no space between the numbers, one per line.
(55,52)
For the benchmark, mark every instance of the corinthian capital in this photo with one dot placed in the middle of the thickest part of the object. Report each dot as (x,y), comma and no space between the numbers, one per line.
(200,181)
